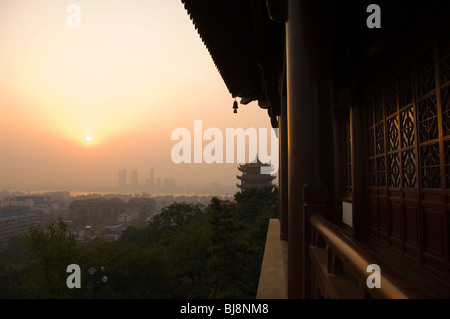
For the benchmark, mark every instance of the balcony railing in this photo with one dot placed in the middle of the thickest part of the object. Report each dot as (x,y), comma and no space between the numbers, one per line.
(338,264)
(335,264)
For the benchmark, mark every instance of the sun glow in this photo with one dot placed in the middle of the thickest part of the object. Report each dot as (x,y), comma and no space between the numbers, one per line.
(90,140)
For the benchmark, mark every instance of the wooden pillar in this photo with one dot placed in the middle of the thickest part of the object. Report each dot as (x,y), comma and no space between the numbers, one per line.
(283,171)
(310,126)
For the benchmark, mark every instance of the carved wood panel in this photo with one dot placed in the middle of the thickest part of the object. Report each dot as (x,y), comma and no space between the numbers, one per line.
(408,147)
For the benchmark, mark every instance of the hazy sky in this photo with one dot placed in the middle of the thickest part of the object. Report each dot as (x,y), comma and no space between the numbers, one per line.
(131,74)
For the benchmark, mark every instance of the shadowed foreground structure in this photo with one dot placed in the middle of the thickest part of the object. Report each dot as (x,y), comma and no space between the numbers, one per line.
(363,118)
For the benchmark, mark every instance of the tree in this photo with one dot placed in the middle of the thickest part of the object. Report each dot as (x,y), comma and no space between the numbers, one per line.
(173,218)
(12,258)
(16,251)
(188,258)
(230,274)
(255,206)
(181,232)
(134,235)
(52,249)
(134,271)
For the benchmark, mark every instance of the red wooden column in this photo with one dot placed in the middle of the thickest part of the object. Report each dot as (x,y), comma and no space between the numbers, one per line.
(283,171)
(310,125)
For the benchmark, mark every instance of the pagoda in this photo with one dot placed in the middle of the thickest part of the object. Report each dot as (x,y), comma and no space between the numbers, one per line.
(252,177)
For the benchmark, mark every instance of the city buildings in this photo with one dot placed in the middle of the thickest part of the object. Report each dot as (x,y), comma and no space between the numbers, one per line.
(87,216)
(33,202)
(108,211)
(149,184)
(15,222)
(96,211)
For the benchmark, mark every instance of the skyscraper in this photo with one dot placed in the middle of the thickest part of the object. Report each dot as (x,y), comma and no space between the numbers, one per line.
(134,179)
(122,178)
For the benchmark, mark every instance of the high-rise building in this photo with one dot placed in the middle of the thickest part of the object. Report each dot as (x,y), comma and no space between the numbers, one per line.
(122,178)
(134,178)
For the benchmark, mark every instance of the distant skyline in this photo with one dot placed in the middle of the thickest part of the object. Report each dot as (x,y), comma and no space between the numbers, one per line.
(78,105)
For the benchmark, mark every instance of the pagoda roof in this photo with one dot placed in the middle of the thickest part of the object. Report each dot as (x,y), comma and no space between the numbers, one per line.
(244,186)
(246,40)
(246,45)
(257,164)
(256,177)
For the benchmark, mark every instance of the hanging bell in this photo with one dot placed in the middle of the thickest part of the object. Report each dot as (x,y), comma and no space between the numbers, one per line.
(235,106)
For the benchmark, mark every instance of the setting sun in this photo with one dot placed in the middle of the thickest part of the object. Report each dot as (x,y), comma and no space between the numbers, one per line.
(88,138)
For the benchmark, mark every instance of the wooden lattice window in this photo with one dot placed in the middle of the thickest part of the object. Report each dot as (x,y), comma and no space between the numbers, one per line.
(408,144)
(393,164)
(407,129)
(430,168)
(444,78)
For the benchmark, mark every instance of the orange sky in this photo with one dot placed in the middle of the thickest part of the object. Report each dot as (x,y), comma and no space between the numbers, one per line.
(132,73)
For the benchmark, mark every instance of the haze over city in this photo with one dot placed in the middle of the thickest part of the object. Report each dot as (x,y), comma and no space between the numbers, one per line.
(78,105)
